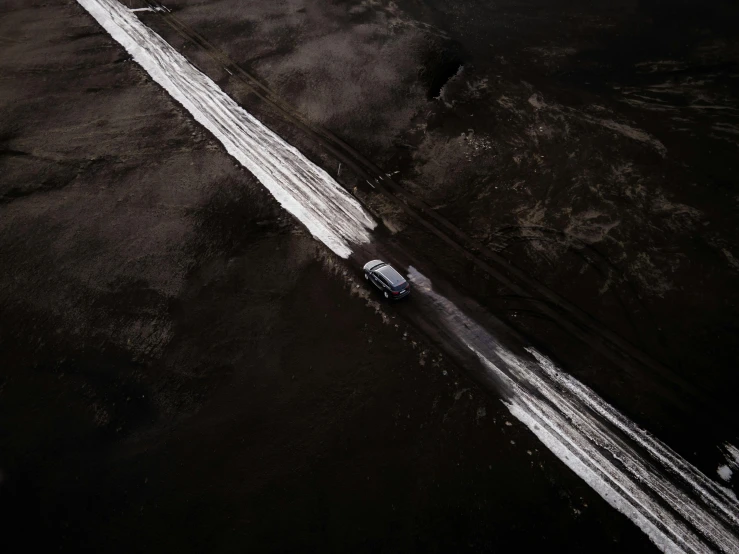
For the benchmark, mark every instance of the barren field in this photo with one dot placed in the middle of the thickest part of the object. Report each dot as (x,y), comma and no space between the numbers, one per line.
(186,365)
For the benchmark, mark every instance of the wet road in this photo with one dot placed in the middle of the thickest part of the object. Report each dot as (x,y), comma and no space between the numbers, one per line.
(574,423)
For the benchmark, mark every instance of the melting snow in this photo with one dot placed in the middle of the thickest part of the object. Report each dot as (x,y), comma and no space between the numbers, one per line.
(657,492)
(331,214)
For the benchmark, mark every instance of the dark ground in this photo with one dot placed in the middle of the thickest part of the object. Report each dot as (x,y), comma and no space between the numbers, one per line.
(594,147)
(184,368)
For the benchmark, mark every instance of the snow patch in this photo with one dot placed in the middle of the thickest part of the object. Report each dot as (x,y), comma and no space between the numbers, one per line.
(630,132)
(331,214)
(671,501)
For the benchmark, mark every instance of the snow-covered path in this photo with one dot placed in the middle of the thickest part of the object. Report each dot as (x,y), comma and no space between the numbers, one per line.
(677,506)
(305,190)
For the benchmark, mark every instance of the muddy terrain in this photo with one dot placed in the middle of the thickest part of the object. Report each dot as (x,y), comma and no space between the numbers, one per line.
(588,150)
(592,147)
(183,367)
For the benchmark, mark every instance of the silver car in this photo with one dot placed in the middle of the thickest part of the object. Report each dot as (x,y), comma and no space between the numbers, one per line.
(392,284)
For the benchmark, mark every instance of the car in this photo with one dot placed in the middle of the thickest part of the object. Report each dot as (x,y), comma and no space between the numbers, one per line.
(384,276)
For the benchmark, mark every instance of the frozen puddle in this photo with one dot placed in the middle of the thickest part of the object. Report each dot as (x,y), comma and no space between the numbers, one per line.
(306,191)
(679,508)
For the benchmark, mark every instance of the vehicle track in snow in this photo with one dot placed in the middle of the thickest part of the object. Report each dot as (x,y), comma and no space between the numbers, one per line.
(677,506)
(541,298)
(306,191)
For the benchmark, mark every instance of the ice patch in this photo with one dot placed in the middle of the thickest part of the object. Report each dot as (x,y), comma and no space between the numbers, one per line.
(724,472)
(331,214)
(733,262)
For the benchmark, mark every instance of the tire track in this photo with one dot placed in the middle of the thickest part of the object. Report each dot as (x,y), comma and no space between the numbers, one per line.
(573,319)
(676,506)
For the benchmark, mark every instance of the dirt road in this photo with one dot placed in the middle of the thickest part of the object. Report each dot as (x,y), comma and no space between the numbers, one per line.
(181,354)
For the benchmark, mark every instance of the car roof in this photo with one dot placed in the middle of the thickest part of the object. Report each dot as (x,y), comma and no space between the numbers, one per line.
(391,275)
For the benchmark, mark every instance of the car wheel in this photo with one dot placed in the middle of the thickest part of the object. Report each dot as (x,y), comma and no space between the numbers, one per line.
(366,276)
(387,295)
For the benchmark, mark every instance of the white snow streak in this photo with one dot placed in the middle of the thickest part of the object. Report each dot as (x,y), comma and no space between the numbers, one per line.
(331,215)
(679,508)
(726,471)
(732,454)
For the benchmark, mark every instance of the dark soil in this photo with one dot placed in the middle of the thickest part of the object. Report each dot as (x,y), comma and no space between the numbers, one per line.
(184,368)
